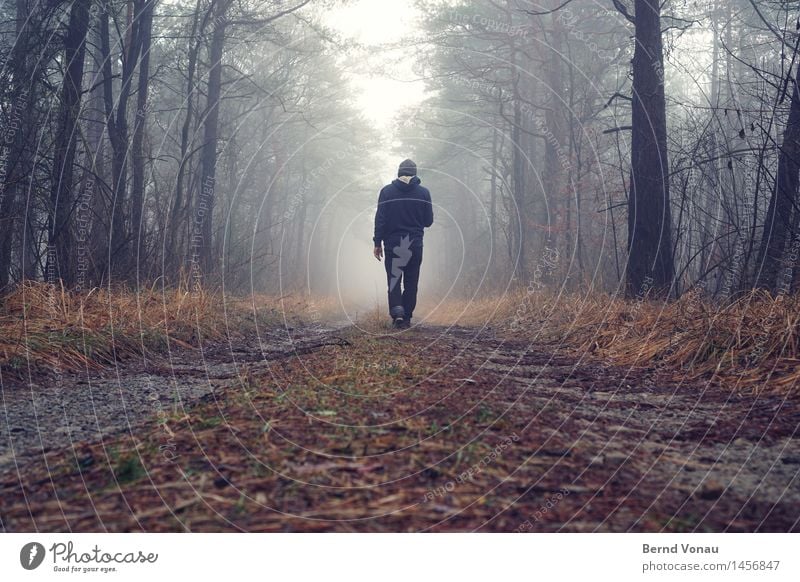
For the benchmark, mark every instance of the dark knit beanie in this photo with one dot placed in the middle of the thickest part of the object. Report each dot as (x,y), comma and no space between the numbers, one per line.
(407,168)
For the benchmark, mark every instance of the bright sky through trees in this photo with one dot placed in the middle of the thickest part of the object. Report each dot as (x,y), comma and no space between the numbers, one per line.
(383,75)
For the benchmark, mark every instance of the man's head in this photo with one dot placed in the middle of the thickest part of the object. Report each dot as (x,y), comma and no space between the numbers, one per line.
(407,168)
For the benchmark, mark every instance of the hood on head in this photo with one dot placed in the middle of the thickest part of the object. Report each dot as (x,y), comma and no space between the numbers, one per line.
(406,183)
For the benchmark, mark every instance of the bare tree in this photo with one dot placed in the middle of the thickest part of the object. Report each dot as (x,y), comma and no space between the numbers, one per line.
(62,198)
(650,262)
(783,216)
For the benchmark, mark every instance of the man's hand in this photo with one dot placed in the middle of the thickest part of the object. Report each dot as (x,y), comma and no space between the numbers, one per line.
(378,252)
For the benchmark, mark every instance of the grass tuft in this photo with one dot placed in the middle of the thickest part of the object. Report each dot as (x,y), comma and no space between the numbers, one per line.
(750,344)
(44,328)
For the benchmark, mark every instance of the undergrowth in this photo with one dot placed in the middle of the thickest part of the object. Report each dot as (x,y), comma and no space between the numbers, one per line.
(44,328)
(751,343)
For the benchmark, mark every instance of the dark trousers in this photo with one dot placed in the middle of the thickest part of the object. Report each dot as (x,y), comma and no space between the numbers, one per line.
(402,262)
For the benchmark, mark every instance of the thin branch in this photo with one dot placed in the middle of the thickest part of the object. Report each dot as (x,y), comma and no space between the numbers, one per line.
(622,9)
(556,9)
(618,95)
(618,129)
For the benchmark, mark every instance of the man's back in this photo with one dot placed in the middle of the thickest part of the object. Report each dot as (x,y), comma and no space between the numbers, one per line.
(404,208)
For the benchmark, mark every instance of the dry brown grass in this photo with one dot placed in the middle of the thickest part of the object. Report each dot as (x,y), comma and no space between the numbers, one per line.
(42,327)
(375,320)
(749,344)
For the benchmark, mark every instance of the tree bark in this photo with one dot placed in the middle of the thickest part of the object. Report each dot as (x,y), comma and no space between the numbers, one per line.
(177,211)
(15,161)
(650,261)
(776,263)
(117,123)
(553,135)
(93,214)
(202,244)
(519,226)
(139,159)
(62,198)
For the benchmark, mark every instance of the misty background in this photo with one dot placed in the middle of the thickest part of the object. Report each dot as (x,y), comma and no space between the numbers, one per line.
(242,144)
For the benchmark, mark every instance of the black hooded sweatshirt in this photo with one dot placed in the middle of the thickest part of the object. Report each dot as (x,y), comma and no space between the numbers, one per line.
(403,209)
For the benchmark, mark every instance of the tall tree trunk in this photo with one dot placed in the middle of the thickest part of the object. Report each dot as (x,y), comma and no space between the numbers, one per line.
(519,194)
(94,210)
(650,262)
(711,194)
(117,221)
(139,160)
(177,211)
(202,243)
(493,205)
(518,163)
(14,159)
(776,273)
(117,123)
(553,135)
(62,199)
(300,247)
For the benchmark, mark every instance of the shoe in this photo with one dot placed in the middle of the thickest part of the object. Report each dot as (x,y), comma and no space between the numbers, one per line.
(397,314)
(406,323)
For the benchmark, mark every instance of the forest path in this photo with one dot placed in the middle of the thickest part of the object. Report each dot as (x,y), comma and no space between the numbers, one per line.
(434,429)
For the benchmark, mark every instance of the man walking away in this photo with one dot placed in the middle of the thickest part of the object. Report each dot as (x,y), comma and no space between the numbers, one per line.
(404,211)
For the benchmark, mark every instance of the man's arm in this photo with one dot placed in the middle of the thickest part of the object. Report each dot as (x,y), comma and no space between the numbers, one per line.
(380,225)
(428,209)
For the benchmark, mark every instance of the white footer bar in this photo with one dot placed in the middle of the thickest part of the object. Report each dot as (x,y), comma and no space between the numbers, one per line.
(390,557)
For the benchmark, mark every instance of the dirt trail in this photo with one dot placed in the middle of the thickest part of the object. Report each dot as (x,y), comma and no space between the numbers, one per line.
(431,429)
(59,410)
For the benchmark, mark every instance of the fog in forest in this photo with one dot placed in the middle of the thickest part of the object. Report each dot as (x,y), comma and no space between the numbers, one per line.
(624,147)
